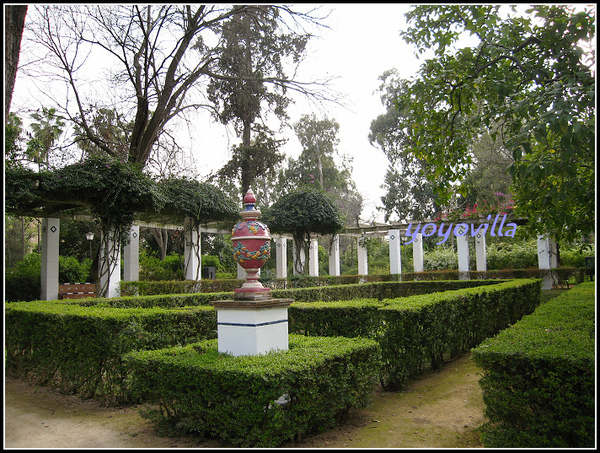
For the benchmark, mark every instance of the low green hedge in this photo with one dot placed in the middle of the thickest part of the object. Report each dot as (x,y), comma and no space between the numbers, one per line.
(423,331)
(379,290)
(539,376)
(420,331)
(79,349)
(256,401)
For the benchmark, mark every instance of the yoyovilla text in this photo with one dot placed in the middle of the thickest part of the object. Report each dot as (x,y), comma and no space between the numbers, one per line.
(461,229)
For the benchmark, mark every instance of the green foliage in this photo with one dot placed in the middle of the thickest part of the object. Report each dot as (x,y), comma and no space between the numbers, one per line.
(154,269)
(303,212)
(539,376)
(23,282)
(440,259)
(97,337)
(257,401)
(185,197)
(529,82)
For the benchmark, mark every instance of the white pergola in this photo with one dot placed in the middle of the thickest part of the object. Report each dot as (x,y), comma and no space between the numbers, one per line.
(193,261)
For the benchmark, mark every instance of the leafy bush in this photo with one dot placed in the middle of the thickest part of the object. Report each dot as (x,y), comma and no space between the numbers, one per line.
(539,376)
(440,259)
(79,349)
(260,400)
(23,281)
(512,255)
(153,269)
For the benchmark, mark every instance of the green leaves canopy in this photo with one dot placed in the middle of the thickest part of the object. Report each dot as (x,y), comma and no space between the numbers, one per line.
(531,76)
(114,192)
(305,211)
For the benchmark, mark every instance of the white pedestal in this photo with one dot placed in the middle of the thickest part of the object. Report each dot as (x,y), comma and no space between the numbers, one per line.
(252,328)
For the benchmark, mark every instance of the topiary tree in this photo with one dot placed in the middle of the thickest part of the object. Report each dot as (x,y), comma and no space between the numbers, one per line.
(301,213)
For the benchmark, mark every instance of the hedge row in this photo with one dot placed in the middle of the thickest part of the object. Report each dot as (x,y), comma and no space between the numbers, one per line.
(256,401)
(149,288)
(378,290)
(80,349)
(420,331)
(539,376)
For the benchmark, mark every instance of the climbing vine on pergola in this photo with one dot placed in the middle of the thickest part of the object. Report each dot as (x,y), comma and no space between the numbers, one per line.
(114,193)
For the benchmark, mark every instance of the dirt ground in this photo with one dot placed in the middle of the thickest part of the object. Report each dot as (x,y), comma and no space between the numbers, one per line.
(437,410)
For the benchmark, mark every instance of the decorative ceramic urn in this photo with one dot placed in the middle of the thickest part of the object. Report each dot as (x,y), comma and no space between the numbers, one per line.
(251,249)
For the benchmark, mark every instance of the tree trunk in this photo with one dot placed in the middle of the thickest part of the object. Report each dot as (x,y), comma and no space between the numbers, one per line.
(14,21)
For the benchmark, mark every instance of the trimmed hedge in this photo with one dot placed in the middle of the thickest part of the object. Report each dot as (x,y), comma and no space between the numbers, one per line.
(539,376)
(256,401)
(380,290)
(421,331)
(79,349)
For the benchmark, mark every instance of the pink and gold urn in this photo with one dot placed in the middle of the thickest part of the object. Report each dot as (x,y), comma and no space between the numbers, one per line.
(251,249)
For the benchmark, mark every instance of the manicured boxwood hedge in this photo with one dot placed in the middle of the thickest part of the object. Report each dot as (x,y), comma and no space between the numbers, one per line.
(539,376)
(256,401)
(378,290)
(420,331)
(79,349)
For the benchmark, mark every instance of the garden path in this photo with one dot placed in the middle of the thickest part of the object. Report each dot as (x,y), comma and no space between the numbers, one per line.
(437,410)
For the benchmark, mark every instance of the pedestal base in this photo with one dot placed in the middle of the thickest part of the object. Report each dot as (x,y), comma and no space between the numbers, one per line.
(246,327)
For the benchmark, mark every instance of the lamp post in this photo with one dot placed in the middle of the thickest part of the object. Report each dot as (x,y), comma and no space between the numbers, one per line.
(90,237)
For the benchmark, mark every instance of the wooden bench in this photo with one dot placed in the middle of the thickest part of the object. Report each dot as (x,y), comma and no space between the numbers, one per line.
(76,290)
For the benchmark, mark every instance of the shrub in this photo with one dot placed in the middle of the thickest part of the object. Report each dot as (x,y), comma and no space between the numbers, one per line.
(79,349)
(260,400)
(440,259)
(23,281)
(539,376)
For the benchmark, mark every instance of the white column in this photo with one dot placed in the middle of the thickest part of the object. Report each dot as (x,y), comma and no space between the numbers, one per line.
(462,244)
(109,264)
(281,257)
(192,258)
(395,257)
(546,258)
(49,255)
(418,253)
(131,256)
(334,256)
(363,264)
(480,252)
(313,258)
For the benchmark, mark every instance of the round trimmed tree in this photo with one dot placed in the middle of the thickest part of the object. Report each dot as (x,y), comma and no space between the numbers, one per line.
(302,213)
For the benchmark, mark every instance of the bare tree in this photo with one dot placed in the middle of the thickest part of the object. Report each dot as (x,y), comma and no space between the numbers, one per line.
(158,59)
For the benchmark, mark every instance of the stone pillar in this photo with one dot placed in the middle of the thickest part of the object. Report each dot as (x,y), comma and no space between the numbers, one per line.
(334,256)
(313,258)
(363,264)
(480,252)
(251,328)
(192,259)
(546,259)
(462,244)
(280,258)
(49,254)
(395,257)
(418,253)
(109,265)
(131,256)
